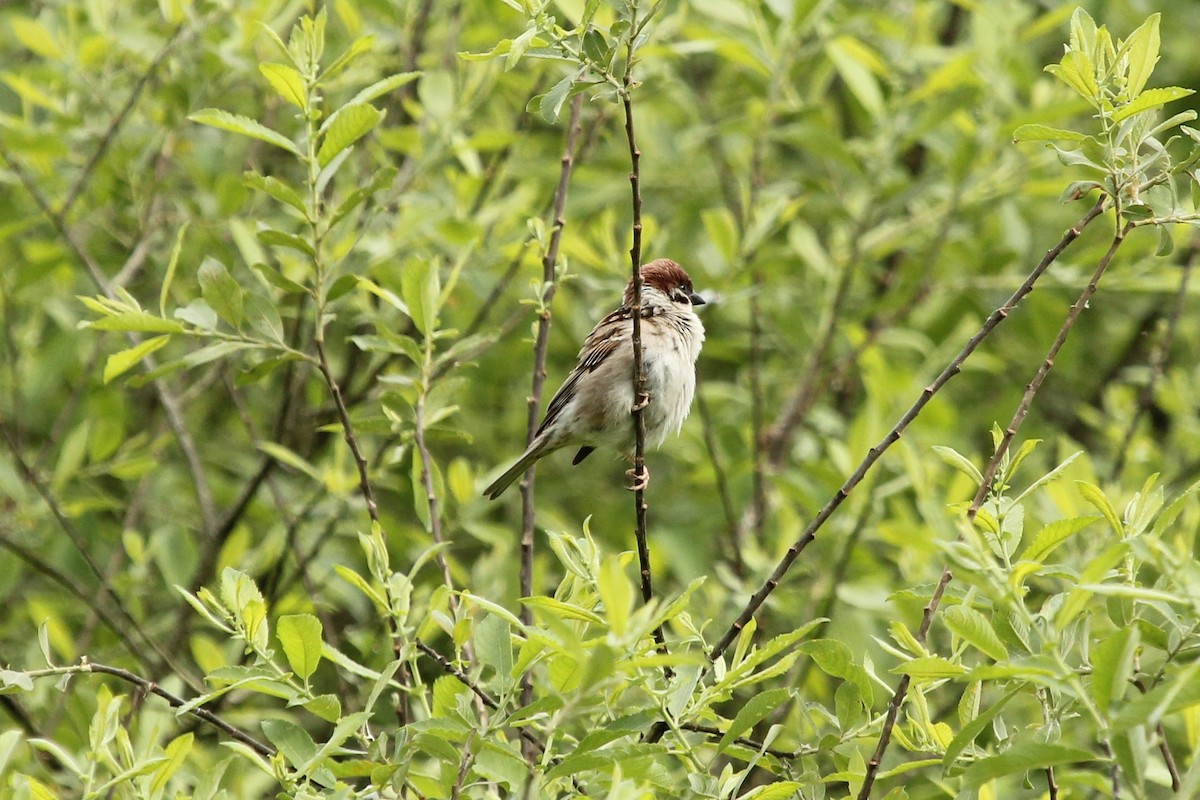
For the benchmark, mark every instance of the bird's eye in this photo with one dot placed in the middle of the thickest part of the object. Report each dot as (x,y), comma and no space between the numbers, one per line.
(680,295)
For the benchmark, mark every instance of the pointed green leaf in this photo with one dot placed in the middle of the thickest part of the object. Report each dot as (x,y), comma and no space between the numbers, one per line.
(137,322)
(1097,498)
(1112,663)
(171,266)
(753,712)
(276,188)
(348,125)
(300,635)
(1044,133)
(1053,535)
(382,87)
(287,82)
(1152,98)
(237,123)
(221,291)
(119,363)
(1022,757)
(1143,54)
(973,627)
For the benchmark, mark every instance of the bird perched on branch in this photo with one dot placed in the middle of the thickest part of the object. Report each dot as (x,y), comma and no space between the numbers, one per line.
(593,407)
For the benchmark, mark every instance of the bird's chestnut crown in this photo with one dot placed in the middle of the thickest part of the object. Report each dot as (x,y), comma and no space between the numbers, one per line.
(669,278)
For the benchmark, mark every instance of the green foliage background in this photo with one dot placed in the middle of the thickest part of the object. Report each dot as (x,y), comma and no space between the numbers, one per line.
(842,182)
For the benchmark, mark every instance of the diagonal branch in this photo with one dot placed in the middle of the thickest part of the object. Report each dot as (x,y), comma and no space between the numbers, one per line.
(873,455)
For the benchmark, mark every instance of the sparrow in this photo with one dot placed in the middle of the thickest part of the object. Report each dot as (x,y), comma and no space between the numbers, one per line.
(594,405)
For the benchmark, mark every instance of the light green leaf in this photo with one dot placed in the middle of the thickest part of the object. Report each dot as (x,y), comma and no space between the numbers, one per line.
(617,593)
(1143,46)
(1053,535)
(237,123)
(1152,98)
(221,291)
(852,60)
(119,363)
(137,322)
(753,712)
(177,752)
(1097,498)
(493,644)
(1042,133)
(382,87)
(552,101)
(1181,690)
(973,627)
(930,668)
(300,635)
(171,265)
(36,37)
(959,462)
(348,125)
(975,727)
(8,742)
(287,82)
(289,457)
(276,188)
(563,610)
(780,790)
(1022,757)
(1112,663)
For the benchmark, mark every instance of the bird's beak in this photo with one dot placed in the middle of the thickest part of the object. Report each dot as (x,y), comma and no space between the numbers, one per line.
(696,299)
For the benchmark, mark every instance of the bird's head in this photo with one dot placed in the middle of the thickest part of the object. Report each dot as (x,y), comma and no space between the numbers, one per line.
(664,281)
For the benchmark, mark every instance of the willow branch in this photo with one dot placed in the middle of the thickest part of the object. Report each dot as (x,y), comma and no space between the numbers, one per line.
(640,392)
(541,346)
(873,455)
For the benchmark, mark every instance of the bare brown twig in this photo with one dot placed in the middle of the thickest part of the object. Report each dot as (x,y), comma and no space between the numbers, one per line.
(640,393)
(541,345)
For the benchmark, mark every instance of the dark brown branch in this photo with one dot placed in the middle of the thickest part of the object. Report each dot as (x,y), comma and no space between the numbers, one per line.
(989,474)
(541,345)
(175,701)
(889,722)
(641,394)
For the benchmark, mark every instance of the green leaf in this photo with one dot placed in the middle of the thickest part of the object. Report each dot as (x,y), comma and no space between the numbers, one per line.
(1022,757)
(221,291)
(171,265)
(753,712)
(563,610)
(1181,691)
(8,742)
(382,87)
(36,37)
(348,125)
(1053,535)
(780,790)
(959,462)
(973,728)
(852,60)
(177,753)
(345,728)
(617,593)
(417,279)
(137,322)
(1097,498)
(290,241)
(551,103)
(1152,98)
(1112,663)
(493,644)
(930,668)
(974,628)
(278,279)
(287,82)
(289,457)
(1143,46)
(119,363)
(1044,133)
(276,188)
(1076,70)
(237,123)
(300,635)
(290,739)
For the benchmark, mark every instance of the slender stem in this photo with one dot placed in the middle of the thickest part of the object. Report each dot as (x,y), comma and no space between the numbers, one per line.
(889,722)
(151,687)
(640,393)
(989,474)
(540,348)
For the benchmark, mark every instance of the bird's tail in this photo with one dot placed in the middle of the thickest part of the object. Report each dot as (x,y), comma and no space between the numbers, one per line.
(526,460)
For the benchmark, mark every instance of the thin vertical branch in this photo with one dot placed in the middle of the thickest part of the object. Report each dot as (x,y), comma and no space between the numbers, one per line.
(640,393)
(541,345)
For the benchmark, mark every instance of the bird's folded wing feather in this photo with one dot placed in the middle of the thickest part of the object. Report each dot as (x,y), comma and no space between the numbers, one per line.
(601,343)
